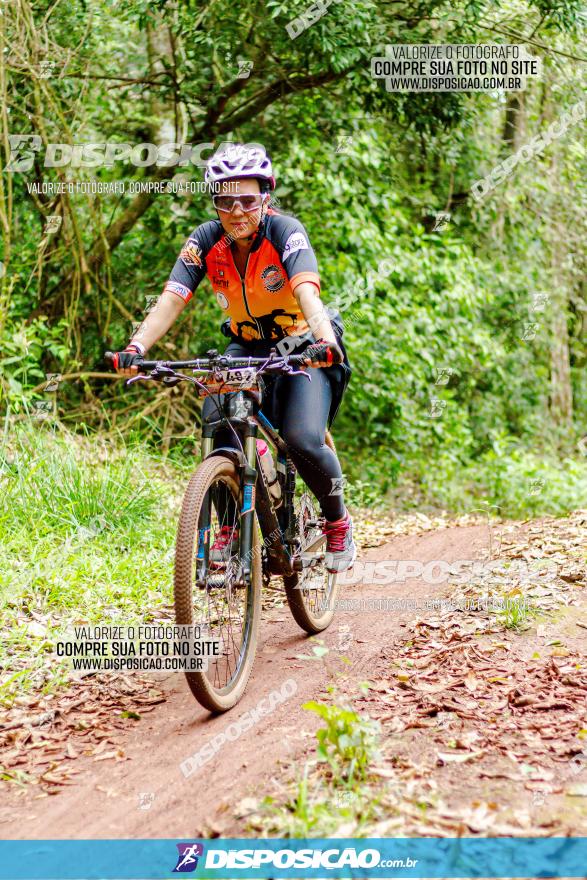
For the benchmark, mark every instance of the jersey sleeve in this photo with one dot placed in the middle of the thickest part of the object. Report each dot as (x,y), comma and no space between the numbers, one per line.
(190,266)
(295,251)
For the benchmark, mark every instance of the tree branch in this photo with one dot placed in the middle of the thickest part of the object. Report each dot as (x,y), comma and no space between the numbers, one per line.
(211,128)
(531,42)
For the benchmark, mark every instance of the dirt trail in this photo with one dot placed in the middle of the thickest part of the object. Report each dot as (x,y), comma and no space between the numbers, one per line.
(104,801)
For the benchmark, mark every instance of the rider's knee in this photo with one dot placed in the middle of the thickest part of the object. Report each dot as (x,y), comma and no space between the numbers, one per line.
(301,441)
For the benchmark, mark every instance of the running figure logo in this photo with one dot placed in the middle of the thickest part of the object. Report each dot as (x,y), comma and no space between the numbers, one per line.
(187,860)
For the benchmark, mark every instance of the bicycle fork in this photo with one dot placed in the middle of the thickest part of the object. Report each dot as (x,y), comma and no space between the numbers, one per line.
(203,553)
(246,515)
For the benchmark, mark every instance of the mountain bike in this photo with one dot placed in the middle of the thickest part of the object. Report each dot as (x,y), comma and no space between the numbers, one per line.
(274,530)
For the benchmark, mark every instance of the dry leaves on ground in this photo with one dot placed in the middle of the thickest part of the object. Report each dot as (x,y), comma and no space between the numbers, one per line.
(462,699)
(41,738)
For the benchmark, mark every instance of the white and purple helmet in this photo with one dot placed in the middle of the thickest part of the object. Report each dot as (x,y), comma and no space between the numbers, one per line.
(240,160)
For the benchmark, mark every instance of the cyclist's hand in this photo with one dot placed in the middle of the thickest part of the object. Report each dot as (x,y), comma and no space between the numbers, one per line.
(323,354)
(127,362)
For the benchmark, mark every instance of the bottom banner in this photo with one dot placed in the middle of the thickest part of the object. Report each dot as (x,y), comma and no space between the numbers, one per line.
(275,858)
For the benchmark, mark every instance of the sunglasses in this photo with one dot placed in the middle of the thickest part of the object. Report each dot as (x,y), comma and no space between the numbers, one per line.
(247,202)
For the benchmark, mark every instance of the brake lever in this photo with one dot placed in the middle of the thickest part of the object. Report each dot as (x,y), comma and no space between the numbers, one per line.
(292,372)
(285,369)
(137,378)
(177,377)
(162,374)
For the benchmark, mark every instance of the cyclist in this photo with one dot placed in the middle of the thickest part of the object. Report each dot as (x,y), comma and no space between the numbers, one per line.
(265,277)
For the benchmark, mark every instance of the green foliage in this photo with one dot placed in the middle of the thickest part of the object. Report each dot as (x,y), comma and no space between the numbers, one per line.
(366,170)
(347,742)
(516,614)
(323,802)
(22,351)
(53,489)
(513,481)
(85,535)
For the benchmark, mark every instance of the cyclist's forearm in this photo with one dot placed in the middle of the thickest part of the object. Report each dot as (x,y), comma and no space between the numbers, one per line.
(167,308)
(314,312)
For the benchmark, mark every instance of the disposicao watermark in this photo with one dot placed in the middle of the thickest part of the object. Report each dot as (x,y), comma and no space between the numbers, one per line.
(313,13)
(439,571)
(338,306)
(455,67)
(264,707)
(140,648)
(25,149)
(400,604)
(480,188)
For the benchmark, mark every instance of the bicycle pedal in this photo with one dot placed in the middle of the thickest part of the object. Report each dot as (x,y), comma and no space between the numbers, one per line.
(300,563)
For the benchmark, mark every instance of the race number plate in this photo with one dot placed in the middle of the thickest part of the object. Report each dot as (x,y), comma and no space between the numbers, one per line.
(239,378)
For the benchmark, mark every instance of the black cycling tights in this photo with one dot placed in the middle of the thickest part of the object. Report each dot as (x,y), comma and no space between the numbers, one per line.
(300,413)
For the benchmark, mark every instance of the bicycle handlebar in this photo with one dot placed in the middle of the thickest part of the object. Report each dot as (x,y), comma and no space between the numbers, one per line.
(217,362)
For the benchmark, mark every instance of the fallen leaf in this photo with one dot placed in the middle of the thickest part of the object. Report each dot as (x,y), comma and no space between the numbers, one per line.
(118,755)
(384,772)
(247,806)
(471,682)
(449,758)
(381,686)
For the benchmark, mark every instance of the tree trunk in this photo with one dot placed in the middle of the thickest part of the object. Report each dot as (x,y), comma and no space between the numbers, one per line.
(513,123)
(561,394)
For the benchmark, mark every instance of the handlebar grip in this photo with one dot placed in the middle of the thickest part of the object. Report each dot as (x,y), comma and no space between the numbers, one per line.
(301,360)
(297,360)
(323,352)
(113,358)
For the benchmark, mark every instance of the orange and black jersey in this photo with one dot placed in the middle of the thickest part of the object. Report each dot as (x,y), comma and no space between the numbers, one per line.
(261,305)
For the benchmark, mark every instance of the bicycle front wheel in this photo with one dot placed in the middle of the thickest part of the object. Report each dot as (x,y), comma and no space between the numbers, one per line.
(211,596)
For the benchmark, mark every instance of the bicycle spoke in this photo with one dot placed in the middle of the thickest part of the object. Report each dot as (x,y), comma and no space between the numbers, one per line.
(224,608)
(315,582)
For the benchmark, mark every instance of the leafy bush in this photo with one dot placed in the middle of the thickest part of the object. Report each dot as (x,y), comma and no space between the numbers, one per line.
(512,481)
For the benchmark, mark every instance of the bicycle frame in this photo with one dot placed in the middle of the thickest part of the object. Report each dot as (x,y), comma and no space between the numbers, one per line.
(277,525)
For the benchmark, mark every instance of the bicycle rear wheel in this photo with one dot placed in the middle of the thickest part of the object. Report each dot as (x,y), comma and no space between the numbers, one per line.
(311,593)
(228,612)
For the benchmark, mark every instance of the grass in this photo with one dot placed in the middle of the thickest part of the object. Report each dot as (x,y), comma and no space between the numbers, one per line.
(513,482)
(317,809)
(87,533)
